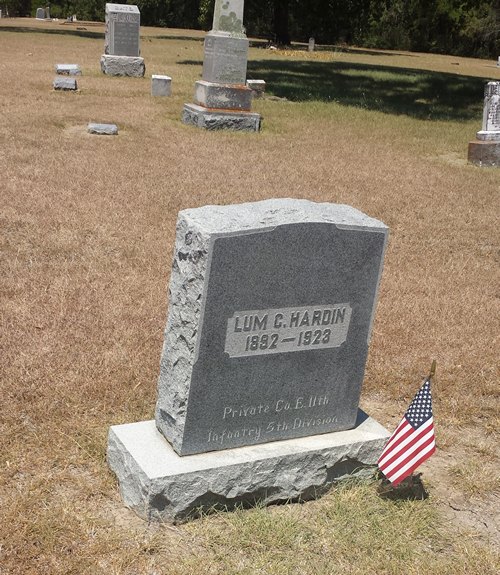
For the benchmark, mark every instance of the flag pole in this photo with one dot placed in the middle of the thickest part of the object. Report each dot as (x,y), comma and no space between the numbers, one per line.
(433,369)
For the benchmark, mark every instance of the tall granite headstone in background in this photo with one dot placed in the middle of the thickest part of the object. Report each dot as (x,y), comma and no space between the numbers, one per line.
(485,150)
(121,45)
(222,99)
(270,313)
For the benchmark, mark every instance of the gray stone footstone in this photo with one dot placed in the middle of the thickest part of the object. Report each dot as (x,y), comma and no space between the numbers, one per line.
(220,119)
(159,485)
(161,85)
(65,84)
(102,129)
(222,96)
(68,69)
(258,87)
(123,66)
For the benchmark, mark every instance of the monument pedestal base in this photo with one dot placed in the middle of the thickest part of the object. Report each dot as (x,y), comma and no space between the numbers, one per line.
(217,119)
(122,65)
(484,153)
(159,485)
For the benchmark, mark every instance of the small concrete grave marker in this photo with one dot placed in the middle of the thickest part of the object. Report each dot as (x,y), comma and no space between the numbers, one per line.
(161,85)
(258,87)
(270,313)
(61,83)
(222,98)
(102,129)
(310,46)
(40,13)
(485,150)
(121,45)
(68,69)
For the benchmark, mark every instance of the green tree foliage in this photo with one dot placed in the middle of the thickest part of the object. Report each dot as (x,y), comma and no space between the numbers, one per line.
(461,27)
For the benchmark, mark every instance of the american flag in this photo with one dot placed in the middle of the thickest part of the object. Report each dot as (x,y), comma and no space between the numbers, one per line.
(413,440)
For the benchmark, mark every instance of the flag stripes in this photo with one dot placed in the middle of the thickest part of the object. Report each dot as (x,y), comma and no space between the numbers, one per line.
(413,441)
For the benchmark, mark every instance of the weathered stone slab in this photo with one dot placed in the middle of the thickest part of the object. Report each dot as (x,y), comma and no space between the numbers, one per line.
(210,119)
(485,154)
(68,69)
(123,22)
(311,44)
(270,313)
(159,485)
(160,85)
(258,87)
(222,96)
(40,13)
(225,59)
(102,129)
(123,66)
(65,84)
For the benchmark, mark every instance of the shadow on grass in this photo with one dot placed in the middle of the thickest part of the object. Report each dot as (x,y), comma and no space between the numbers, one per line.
(410,489)
(417,93)
(84,33)
(420,94)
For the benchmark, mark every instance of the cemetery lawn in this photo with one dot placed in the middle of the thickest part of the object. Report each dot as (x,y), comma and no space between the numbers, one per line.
(88,226)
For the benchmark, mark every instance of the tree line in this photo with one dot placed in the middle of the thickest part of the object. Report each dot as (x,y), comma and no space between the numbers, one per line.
(459,27)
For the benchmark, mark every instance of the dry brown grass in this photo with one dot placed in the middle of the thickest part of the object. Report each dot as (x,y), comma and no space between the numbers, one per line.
(87,233)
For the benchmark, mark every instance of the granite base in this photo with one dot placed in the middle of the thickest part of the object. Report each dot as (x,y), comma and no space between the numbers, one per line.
(123,65)
(160,485)
(484,153)
(215,119)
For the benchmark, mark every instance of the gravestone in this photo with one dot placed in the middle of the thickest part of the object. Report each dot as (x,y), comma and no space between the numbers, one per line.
(222,99)
(270,314)
(161,85)
(47,12)
(68,69)
(310,46)
(40,13)
(62,83)
(485,150)
(102,129)
(258,87)
(121,45)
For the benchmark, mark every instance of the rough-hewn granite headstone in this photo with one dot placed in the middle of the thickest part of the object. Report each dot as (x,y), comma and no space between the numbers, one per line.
(270,312)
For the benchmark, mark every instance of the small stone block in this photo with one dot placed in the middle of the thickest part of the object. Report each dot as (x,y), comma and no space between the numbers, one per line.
(68,69)
(223,96)
(220,120)
(161,85)
(65,84)
(485,154)
(159,485)
(103,129)
(488,135)
(258,87)
(123,66)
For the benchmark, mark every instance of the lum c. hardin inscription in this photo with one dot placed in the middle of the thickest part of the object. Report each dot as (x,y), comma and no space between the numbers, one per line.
(259,332)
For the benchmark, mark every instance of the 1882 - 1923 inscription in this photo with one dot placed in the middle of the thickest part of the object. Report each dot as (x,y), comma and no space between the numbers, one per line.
(259,332)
